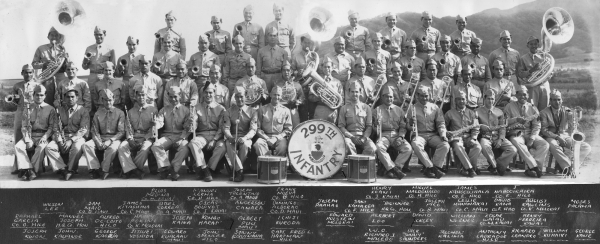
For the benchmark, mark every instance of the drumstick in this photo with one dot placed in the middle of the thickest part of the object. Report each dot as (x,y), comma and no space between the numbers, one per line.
(234,158)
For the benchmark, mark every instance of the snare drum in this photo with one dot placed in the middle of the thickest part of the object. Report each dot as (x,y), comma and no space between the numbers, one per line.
(362,169)
(272,170)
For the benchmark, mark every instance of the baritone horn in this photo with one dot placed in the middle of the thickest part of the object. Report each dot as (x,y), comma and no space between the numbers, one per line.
(319,87)
(557,27)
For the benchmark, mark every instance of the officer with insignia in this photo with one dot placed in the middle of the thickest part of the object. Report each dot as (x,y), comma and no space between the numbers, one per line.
(557,126)
(219,39)
(139,137)
(234,65)
(150,82)
(95,55)
(391,32)
(165,61)
(482,73)
(381,57)
(246,120)
(200,63)
(37,131)
(178,42)
(472,93)
(393,128)
(493,136)
(274,126)
(508,56)
(503,88)
(221,93)
(458,118)
(72,82)
(431,131)
(322,111)
(462,38)
(366,83)
(436,86)
(131,67)
(358,38)
(208,119)
(355,120)
(449,64)
(75,122)
(252,33)
(175,118)
(530,63)
(342,61)
(426,37)
(523,132)
(293,96)
(47,53)
(270,59)
(416,72)
(252,84)
(109,82)
(189,91)
(285,33)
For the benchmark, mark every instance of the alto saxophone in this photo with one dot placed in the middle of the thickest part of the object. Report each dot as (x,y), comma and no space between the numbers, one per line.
(577,137)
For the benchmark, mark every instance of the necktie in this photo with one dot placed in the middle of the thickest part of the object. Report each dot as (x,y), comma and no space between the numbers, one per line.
(523,110)
(98,51)
(130,65)
(71,110)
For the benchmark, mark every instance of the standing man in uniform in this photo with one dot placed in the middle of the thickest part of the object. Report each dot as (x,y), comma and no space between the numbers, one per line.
(252,33)
(413,67)
(299,62)
(189,92)
(342,61)
(131,67)
(528,64)
(322,111)
(207,120)
(523,132)
(75,120)
(47,53)
(288,85)
(358,38)
(176,121)
(503,88)
(473,96)
(462,38)
(393,128)
(151,83)
(95,56)
(355,120)
(382,57)
(141,120)
(246,120)
(106,132)
(234,65)
(72,82)
(426,37)
(367,84)
(201,62)
(431,131)
(449,64)
(178,44)
(482,73)
(274,126)
(391,32)
(270,59)
(109,82)
(490,116)
(219,39)
(37,129)
(285,39)
(458,118)
(165,61)
(508,56)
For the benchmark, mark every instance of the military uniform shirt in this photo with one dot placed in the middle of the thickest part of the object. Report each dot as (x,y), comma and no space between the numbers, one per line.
(169,62)
(110,123)
(399,90)
(75,123)
(235,65)
(433,38)
(141,120)
(285,33)
(394,34)
(101,53)
(500,85)
(210,117)
(382,60)
(133,65)
(25,92)
(301,59)
(204,61)
(457,119)
(492,117)
(274,121)
(355,117)
(221,40)
(452,66)
(175,119)
(465,36)
(359,40)
(341,65)
(189,90)
(41,120)
(84,96)
(418,67)
(392,119)
(248,125)
(178,41)
(510,58)
(367,84)
(270,59)
(473,93)
(429,118)
(252,33)
(526,63)
(515,109)
(556,122)
(482,66)
(114,85)
(437,88)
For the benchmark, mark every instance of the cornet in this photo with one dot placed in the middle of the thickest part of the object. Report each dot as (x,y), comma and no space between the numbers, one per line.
(238,28)
(442,61)
(387,42)
(88,55)
(457,43)
(14,99)
(371,61)
(158,64)
(157,35)
(123,62)
(348,34)
(196,70)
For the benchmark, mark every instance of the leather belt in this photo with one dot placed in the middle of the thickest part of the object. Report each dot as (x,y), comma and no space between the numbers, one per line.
(39,131)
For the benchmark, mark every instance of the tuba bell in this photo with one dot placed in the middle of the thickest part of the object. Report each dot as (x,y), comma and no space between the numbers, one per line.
(68,11)
(321,24)
(557,27)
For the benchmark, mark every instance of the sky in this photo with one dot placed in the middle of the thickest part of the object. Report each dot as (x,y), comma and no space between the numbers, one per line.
(25,23)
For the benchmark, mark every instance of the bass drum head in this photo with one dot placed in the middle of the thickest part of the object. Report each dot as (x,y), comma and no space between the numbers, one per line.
(317,149)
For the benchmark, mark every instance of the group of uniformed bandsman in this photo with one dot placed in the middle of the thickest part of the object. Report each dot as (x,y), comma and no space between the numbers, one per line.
(164,103)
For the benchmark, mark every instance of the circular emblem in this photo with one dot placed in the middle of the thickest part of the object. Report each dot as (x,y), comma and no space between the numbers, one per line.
(317,149)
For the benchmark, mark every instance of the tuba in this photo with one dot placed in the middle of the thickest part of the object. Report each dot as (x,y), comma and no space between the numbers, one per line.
(322,24)
(330,97)
(557,27)
(578,137)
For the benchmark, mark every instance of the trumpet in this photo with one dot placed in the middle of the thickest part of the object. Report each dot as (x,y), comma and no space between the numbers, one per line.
(442,61)
(387,42)
(157,35)
(238,28)
(12,98)
(158,64)
(88,55)
(377,89)
(424,38)
(196,70)
(371,61)
(409,67)
(348,34)
(123,62)
(457,43)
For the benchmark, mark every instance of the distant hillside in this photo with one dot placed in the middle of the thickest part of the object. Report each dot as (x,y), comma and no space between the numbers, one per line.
(522,21)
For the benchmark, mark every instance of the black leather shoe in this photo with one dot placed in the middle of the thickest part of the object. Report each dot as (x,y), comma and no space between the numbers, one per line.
(16,171)
(174,177)
(104,175)
(191,171)
(530,173)
(32,174)
(538,172)
(140,173)
(398,173)
(501,171)
(492,170)
(477,171)
(438,173)
(207,176)
(239,176)
(471,173)
(164,174)
(406,169)
(22,174)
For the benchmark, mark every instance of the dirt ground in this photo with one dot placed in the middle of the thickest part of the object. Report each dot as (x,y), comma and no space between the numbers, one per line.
(6,133)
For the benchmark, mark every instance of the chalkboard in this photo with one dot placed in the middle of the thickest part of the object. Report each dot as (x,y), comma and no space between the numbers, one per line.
(323,214)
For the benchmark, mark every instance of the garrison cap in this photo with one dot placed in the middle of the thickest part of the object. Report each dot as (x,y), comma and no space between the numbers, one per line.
(504,33)
(353,14)
(555,94)
(238,39)
(39,89)
(426,14)
(27,67)
(490,93)
(99,30)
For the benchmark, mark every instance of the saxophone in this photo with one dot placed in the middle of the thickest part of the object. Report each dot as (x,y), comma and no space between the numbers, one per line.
(577,137)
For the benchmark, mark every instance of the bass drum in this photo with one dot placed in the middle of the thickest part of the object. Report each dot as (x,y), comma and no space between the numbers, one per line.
(316,149)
